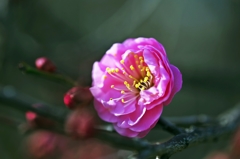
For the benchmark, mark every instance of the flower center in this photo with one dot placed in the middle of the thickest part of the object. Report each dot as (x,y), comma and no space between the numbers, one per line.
(133,75)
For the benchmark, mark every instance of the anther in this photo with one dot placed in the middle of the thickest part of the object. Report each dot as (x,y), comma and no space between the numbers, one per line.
(104,77)
(148,74)
(131,67)
(136,85)
(145,79)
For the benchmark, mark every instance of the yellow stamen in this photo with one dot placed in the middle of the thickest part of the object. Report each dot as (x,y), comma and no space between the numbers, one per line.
(122,61)
(145,79)
(122,91)
(104,77)
(123,100)
(136,85)
(131,67)
(112,86)
(148,74)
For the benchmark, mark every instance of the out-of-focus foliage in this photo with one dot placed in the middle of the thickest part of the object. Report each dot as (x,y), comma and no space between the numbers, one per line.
(201,37)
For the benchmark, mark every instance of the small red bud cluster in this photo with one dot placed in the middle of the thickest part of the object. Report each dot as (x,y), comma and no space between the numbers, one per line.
(41,144)
(36,121)
(47,145)
(80,124)
(77,97)
(81,121)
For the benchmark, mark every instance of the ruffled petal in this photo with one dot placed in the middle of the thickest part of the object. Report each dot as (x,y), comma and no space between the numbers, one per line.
(125,132)
(149,118)
(177,83)
(118,108)
(104,113)
(109,61)
(116,50)
(149,95)
(97,74)
(144,133)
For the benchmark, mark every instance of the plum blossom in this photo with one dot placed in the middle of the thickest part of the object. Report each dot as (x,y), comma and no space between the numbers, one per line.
(132,83)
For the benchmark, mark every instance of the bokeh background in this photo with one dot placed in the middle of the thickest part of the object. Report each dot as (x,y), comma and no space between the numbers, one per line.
(201,37)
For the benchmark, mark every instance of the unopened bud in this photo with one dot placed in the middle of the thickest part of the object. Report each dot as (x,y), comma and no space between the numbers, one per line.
(44,64)
(80,124)
(235,151)
(35,120)
(218,155)
(77,96)
(41,144)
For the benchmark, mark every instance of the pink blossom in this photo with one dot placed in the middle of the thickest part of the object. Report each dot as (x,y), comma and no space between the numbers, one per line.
(132,83)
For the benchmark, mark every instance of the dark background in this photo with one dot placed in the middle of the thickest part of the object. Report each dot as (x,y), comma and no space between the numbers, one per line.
(201,37)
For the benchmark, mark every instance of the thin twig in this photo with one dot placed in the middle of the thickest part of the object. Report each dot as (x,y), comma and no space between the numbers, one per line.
(170,127)
(25,68)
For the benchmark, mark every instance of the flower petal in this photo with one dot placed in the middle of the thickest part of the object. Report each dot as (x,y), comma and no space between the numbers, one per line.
(97,74)
(103,113)
(177,83)
(125,132)
(149,118)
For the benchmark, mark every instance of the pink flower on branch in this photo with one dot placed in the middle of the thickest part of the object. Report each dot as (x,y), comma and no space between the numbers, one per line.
(132,83)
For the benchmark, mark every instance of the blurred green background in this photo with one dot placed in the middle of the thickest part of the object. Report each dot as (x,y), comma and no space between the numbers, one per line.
(201,37)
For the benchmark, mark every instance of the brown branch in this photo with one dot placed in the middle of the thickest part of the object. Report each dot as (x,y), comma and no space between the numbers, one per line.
(227,124)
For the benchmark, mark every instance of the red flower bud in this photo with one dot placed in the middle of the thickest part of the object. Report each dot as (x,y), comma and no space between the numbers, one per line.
(41,144)
(235,151)
(45,64)
(218,155)
(38,121)
(80,124)
(77,96)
